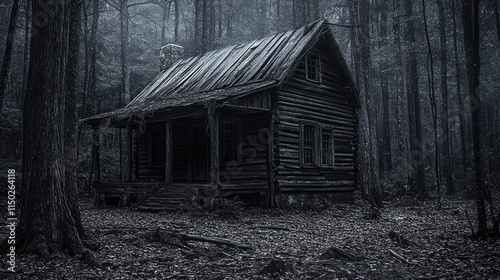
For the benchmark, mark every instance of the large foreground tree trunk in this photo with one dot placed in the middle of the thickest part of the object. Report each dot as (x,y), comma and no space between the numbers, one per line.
(470,9)
(47,223)
(71,112)
(7,58)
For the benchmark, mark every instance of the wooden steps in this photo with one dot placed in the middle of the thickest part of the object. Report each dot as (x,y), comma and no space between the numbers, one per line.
(169,198)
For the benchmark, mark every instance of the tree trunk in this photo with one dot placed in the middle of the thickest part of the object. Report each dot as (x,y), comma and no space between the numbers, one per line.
(446,160)
(197,37)
(497,19)
(7,57)
(166,9)
(124,50)
(230,9)
(400,92)
(461,108)
(385,146)
(368,146)
(353,18)
(47,224)
(125,74)
(416,156)
(204,27)
(432,97)
(470,16)
(71,112)
(176,24)
(26,56)
(90,79)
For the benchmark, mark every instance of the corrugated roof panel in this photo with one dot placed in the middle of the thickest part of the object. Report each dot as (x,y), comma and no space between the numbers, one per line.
(267,59)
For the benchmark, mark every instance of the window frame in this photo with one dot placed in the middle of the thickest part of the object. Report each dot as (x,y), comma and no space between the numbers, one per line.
(329,129)
(317,67)
(314,142)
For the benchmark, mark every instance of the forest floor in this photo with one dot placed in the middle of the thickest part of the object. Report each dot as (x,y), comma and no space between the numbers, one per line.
(288,243)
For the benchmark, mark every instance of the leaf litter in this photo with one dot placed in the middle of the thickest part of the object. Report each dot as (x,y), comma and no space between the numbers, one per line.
(406,241)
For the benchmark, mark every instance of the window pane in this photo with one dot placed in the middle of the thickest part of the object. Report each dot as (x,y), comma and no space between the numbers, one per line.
(312,67)
(326,148)
(308,145)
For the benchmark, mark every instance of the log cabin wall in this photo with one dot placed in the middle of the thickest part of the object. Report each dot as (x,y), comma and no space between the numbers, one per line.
(327,103)
(249,170)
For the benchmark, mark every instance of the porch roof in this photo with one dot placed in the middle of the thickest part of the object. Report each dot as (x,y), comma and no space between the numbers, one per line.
(180,100)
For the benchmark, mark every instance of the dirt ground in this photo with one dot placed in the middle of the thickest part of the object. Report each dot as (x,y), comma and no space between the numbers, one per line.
(289,244)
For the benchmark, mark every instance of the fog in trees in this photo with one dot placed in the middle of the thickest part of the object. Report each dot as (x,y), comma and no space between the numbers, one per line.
(426,72)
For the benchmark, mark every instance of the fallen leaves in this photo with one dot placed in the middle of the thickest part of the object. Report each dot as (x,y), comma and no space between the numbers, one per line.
(294,239)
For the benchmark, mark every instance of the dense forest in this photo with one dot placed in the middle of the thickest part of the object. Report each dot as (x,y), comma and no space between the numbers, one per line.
(427,73)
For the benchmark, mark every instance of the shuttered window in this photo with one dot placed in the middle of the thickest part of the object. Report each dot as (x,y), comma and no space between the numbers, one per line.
(326,148)
(308,141)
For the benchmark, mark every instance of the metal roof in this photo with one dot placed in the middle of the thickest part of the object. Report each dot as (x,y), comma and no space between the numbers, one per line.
(209,76)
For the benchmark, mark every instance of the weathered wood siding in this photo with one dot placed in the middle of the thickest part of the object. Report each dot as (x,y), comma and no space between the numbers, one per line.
(329,102)
(251,172)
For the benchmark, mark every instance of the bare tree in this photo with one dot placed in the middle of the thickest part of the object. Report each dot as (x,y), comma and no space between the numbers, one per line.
(443,54)
(385,158)
(417,175)
(470,17)
(463,142)
(368,146)
(402,136)
(432,97)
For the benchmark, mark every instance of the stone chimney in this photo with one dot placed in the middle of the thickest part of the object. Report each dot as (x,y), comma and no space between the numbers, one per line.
(169,55)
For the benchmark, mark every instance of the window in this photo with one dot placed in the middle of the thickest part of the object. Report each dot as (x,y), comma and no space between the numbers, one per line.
(308,145)
(231,137)
(326,148)
(316,145)
(312,64)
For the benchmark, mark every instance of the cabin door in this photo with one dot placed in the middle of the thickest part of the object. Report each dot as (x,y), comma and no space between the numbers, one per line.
(198,154)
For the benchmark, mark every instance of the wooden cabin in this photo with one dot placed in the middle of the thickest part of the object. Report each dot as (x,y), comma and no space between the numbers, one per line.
(275,116)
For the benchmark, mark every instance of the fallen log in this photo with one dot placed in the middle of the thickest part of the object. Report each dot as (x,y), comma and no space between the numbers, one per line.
(214,240)
(180,239)
(398,256)
(336,253)
(270,227)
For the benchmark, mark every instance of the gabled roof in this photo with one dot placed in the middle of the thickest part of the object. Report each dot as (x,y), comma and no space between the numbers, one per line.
(224,73)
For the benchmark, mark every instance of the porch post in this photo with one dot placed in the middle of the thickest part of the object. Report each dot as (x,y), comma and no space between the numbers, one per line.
(214,150)
(130,150)
(168,152)
(270,163)
(95,154)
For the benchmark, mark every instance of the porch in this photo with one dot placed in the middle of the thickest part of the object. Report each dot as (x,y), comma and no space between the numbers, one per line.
(194,152)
